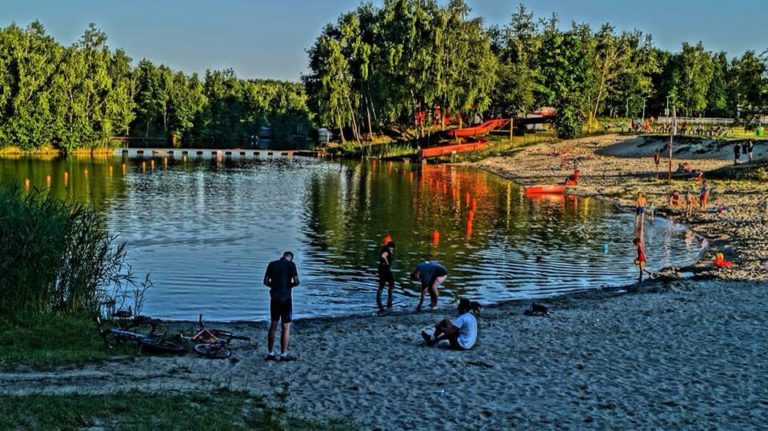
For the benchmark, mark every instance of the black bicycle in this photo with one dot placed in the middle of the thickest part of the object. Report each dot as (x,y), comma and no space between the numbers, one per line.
(150,342)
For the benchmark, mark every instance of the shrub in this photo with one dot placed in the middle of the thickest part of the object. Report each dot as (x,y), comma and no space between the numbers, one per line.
(55,258)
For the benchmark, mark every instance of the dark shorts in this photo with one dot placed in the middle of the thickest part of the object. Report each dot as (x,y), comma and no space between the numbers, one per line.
(640,210)
(281,310)
(386,277)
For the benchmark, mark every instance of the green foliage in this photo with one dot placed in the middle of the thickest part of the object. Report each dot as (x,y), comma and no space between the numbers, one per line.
(382,64)
(210,410)
(56,258)
(82,95)
(50,341)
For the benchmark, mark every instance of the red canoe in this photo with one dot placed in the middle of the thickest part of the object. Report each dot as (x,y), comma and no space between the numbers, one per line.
(480,130)
(446,150)
(545,189)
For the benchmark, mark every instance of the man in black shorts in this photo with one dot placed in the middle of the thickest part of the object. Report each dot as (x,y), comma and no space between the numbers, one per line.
(281,277)
(385,274)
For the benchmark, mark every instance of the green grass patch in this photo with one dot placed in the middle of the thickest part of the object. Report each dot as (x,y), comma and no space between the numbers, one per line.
(135,410)
(753,171)
(50,342)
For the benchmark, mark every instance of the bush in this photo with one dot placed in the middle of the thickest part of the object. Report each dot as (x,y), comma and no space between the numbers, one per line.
(55,258)
(569,121)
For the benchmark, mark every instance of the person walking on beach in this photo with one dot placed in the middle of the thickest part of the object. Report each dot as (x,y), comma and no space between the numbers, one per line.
(640,259)
(281,277)
(736,153)
(689,204)
(461,333)
(704,195)
(657,160)
(431,275)
(385,274)
(750,147)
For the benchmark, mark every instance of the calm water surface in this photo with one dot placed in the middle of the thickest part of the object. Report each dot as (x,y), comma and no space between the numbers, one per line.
(205,231)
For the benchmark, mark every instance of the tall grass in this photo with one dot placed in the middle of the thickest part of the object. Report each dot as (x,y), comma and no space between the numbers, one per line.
(55,258)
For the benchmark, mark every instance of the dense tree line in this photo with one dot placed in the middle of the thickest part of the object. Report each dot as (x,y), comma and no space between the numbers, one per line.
(86,94)
(386,64)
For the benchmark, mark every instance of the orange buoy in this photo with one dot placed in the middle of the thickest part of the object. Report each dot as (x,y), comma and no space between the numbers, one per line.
(435,237)
(387,239)
(470,215)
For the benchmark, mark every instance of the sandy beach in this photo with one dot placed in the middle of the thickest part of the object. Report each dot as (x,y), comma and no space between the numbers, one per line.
(673,354)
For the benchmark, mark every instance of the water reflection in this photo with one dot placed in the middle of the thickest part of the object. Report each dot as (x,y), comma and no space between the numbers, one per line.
(206,229)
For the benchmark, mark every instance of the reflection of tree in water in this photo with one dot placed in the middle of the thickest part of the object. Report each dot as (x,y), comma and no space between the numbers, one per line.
(350,211)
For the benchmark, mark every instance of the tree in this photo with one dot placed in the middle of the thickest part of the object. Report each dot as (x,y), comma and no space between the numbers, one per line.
(694,70)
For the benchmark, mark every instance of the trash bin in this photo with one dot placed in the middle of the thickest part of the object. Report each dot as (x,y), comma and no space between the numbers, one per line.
(760,131)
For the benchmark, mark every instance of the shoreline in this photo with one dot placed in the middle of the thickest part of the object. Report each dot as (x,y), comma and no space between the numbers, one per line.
(669,353)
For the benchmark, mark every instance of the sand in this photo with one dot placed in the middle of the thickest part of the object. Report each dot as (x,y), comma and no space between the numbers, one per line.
(674,354)
(680,355)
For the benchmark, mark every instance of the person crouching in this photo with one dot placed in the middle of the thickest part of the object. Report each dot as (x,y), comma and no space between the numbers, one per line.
(461,333)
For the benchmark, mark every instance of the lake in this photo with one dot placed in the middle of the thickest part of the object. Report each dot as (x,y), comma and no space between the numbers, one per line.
(205,231)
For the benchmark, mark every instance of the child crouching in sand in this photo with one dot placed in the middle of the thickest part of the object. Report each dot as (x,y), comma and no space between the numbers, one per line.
(462,332)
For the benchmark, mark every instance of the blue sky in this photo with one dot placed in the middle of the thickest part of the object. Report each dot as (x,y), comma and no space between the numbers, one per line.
(268,39)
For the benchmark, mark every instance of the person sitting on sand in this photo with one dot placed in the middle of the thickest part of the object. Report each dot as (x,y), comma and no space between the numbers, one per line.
(431,275)
(573,180)
(674,199)
(640,259)
(460,333)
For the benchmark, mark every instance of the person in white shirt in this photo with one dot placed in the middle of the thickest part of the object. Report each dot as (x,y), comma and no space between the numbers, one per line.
(462,332)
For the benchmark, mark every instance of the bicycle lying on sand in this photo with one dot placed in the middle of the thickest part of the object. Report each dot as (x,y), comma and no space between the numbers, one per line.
(149,342)
(213,343)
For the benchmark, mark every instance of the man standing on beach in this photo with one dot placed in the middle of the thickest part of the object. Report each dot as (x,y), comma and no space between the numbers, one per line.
(736,153)
(656,160)
(431,275)
(385,274)
(750,147)
(281,277)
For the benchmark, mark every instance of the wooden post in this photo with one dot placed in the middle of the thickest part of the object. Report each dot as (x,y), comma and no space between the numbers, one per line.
(672,133)
(511,128)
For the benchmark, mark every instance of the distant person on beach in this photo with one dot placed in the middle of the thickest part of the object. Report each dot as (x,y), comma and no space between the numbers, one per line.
(736,153)
(657,160)
(651,211)
(640,204)
(704,195)
(689,203)
(640,259)
(461,333)
(674,199)
(281,277)
(750,147)
(431,275)
(385,274)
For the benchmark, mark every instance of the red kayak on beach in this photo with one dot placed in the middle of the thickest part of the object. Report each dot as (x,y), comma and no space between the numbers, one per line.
(545,189)
(480,130)
(446,150)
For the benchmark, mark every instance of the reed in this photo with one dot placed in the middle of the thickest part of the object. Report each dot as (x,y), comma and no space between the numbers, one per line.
(56,257)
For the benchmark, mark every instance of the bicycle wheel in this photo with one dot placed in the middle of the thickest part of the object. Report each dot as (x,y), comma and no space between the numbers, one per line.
(159,345)
(213,351)
(228,335)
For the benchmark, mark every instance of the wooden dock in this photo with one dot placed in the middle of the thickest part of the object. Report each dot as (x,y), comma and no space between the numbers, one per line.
(210,153)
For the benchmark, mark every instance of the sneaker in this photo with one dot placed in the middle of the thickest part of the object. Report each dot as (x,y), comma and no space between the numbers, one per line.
(427,339)
(287,357)
(271,357)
